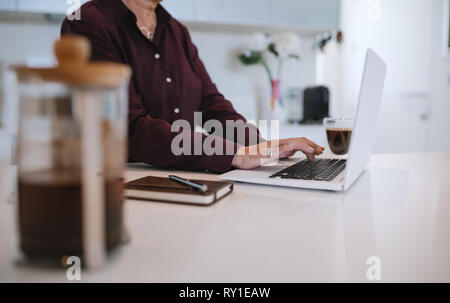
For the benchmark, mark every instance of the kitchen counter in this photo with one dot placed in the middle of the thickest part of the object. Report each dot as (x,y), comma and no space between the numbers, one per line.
(398,211)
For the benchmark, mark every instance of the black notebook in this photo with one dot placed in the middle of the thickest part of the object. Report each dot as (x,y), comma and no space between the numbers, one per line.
(165,190)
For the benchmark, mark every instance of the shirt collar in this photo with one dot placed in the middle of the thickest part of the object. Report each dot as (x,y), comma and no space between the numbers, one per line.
(120,10)
(163,15)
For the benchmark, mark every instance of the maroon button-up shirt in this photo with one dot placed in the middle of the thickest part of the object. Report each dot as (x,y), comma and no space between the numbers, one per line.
(169,83)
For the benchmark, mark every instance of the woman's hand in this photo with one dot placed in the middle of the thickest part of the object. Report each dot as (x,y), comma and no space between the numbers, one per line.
(248,157)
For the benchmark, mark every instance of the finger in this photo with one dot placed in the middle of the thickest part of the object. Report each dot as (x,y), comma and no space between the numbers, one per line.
(304,147)
(298,144)
(289,147)
(311,157)
(317,148)
(321,148)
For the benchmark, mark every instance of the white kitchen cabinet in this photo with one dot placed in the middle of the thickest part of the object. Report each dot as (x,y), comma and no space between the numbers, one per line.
(306,13)
(183,10)
(48,6)
(43,6)
(234,11)
(321,14)
(7,5)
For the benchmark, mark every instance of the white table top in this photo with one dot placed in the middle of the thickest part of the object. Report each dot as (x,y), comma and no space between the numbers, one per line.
(398,210)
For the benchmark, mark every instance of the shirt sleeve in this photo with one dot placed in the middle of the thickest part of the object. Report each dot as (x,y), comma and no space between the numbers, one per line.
(149,139)
(214,105)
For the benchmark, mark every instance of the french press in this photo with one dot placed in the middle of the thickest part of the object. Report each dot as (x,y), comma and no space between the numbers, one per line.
(71,154)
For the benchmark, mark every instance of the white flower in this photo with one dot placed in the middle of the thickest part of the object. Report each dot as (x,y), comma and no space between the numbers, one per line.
(258,42)
(286,43)
(247,53)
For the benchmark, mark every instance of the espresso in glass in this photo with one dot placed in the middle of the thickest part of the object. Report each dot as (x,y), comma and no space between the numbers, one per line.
(339,140)
(339,134)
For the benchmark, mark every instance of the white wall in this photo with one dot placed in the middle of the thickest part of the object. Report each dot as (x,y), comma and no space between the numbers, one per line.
(408,35)
(440,84)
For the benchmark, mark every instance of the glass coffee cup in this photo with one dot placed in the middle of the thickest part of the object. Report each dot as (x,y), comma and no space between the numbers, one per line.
(339,134)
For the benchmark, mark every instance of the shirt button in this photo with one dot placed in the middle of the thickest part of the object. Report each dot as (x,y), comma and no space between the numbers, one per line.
(169,80)
(157,56)
(176,110)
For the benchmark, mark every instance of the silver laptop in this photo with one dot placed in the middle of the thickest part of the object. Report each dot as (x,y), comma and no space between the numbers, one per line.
(331,173)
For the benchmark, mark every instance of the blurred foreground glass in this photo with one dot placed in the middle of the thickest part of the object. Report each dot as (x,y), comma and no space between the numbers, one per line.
(339,134)
(71,154)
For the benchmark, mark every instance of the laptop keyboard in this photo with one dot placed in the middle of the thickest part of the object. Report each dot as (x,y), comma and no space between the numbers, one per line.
(321,170)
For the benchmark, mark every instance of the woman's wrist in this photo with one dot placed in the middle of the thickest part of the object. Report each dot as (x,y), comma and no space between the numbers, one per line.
(237,159)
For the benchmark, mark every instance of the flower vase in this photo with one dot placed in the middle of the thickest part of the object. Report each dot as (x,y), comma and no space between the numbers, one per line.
(275,94)
(276,109)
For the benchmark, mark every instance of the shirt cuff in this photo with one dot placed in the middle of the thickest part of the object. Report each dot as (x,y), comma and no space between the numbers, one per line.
(221,163)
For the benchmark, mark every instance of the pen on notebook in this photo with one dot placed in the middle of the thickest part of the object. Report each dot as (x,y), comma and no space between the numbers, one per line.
(200,187)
